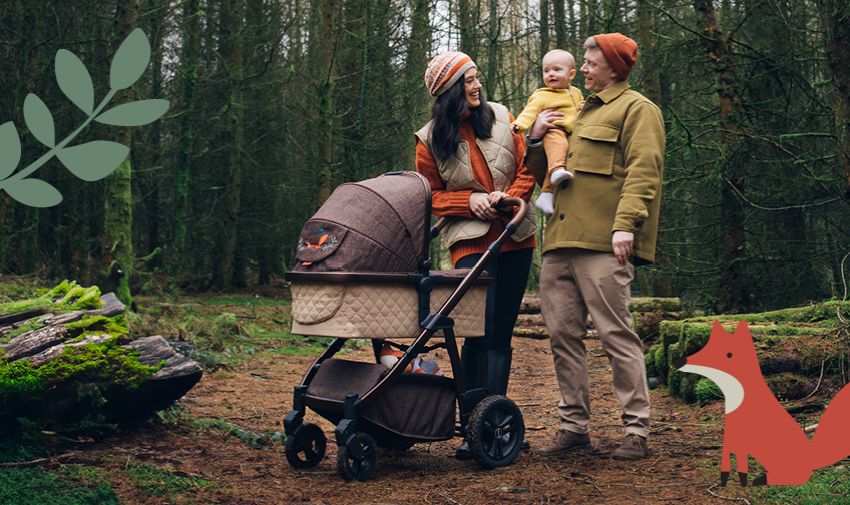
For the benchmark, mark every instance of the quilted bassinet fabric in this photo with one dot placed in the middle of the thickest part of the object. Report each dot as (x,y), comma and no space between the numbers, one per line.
(378,310)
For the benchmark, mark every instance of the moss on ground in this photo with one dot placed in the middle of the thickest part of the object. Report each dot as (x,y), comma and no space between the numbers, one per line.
(794,343)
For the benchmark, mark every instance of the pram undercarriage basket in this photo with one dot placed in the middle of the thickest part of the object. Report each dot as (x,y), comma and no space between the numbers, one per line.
(373,406)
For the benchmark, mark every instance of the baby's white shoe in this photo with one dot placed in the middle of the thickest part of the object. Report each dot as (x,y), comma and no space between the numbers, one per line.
(546,203)
(559,176)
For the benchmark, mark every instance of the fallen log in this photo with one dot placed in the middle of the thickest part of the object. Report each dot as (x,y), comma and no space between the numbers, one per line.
(75,360)
(535,332)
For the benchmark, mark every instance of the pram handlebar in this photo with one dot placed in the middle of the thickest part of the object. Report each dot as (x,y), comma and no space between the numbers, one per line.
(519,215)
(511,227)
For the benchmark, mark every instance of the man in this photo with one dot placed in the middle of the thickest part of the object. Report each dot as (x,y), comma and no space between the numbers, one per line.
(605,222)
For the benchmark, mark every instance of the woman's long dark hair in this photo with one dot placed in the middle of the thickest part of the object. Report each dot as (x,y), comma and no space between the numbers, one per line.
(447,112)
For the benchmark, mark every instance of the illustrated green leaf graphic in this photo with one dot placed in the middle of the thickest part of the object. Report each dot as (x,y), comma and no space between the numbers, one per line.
(130,60)
(134,113)
(74,80)
(39,120)
(10,147)
(33,192)
(95,160)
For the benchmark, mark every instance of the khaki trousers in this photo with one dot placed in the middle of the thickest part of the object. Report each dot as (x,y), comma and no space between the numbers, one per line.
(555,144)
(574,282)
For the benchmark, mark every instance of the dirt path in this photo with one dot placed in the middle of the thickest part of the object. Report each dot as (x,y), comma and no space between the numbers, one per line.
(681,467)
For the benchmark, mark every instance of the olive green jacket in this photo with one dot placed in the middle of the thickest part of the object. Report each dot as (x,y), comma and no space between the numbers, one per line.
(617,157)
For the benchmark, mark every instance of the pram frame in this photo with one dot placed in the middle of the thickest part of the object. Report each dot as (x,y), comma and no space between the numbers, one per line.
(356,458)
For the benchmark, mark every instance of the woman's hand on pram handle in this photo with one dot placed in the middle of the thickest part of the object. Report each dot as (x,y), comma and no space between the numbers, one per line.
(481,206)
(496,197)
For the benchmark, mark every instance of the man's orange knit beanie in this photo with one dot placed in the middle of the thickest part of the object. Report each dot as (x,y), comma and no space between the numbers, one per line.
(620,52)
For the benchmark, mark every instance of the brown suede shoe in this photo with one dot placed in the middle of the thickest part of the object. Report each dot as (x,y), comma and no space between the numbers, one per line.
(634,447)
(565,441)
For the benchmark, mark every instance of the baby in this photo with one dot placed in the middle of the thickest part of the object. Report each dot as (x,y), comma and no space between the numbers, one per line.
(559,68)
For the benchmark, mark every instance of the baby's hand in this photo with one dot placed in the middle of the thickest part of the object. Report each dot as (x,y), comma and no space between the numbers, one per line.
(514,129)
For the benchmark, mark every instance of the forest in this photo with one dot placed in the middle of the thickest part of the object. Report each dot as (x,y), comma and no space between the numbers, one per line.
(274,103)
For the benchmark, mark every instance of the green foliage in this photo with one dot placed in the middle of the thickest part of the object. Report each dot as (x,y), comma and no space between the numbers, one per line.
(13,290)
(706,390)
(32,444)
(32,486)
(65,296)
(152,480)
(827,485)
(115,326)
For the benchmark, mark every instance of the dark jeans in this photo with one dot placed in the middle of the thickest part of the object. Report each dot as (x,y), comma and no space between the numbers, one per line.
(510,273)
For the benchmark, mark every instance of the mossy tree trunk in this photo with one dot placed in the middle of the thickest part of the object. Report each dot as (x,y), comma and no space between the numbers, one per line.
(325,61)
(191,33)
(835,18)
(232,119)
(118,204)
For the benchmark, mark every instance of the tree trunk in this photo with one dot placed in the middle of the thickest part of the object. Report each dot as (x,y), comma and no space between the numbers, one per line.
(229,223)
(648,63)
(118,220)
(733,273)
(560,24)
(544,28)
(191,47)
(418,49)
(325,63)
(493,60)
(835,19)
(464,22)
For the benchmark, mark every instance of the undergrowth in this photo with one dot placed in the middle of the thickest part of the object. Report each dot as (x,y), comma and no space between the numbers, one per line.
(33,486)
(827,485)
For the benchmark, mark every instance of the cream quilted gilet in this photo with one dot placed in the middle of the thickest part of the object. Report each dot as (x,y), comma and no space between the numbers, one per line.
(456,172)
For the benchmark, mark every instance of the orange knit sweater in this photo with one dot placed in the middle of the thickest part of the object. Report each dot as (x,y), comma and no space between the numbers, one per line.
(456,203)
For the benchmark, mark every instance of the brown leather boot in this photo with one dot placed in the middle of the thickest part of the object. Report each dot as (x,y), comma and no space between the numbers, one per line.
(634,447)
(565,441)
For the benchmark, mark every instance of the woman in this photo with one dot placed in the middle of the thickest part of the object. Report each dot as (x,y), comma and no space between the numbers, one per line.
(472,160)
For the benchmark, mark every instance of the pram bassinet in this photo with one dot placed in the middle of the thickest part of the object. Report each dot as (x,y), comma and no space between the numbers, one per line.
(362,271)
(350,277)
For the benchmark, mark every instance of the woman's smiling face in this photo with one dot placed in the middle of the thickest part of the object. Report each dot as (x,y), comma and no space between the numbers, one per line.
(472,87)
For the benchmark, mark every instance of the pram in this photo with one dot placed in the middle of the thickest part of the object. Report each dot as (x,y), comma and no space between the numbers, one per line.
(362,271)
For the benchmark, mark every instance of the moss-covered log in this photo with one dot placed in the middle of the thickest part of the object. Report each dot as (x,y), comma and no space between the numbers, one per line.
(74,360)
(538,332)
(794,346)
(647,314)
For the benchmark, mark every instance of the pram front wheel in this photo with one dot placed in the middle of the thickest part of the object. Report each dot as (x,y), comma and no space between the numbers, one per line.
(352,468)
(495,431)
(306,448)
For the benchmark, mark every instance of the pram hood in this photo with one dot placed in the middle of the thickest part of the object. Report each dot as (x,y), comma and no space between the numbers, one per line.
(376,225)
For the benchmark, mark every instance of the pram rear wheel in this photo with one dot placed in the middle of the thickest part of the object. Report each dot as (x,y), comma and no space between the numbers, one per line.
(495,432)
(306,448)
(351,468)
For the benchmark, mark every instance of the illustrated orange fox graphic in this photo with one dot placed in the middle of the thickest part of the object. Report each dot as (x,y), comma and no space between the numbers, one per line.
(756,424)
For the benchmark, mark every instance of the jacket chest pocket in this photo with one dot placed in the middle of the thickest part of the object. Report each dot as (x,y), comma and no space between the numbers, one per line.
(594,149)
